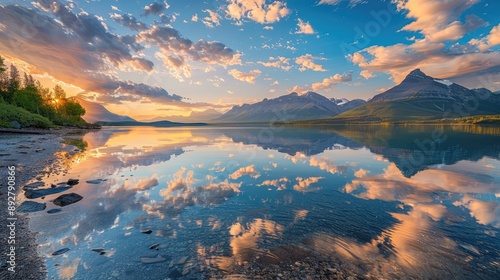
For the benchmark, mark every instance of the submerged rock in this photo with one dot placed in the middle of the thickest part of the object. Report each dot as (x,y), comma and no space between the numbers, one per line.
(67,199)
(60,252)
(96,181)
(175,274)
(31,206)
(54,210)
(182,260)
(31,194)
(73,182)
(34,185)
(153,260)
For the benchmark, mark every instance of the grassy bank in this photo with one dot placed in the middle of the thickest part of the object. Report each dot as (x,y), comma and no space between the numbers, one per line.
(9,114)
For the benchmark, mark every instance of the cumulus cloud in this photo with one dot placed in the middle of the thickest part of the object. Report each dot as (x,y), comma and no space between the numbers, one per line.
(489,41)
(184,190)
(436,20)
(277,62)
(432,58)
(257,10)
(155,8)
(78,49)
(306,63)
(194,18)
(360,173)
(328,83)
(89,30)
(176,51)
(304,184)
(304,27)
(248,77)
(486,213)
(128,20)
(366,74)
(327,165)
(247,170)
(393,185)
(244,243)
(280,184)
(212,20)
(298,89)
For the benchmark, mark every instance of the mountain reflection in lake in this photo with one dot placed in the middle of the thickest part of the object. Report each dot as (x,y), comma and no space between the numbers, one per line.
(370,198)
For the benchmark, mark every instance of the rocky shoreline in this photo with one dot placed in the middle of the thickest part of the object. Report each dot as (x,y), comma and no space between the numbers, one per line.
(33,155)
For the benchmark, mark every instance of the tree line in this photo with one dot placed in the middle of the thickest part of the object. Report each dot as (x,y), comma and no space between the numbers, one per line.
(25,92)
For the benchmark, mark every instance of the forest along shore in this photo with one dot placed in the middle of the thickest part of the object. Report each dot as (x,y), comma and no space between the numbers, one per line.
(31,157)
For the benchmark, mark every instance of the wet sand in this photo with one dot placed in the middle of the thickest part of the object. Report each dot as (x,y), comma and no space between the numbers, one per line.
(34,156)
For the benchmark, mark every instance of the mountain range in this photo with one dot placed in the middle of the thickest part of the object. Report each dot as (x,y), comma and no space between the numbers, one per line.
(420,97)
(417,98)
(194,116)
(290,107)
(95,112)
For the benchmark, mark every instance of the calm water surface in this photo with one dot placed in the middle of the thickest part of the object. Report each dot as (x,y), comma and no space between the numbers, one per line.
(387,202)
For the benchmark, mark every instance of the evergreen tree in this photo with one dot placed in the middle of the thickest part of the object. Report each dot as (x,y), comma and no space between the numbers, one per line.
(59,93)
(3,77)
(14,82)
(3,67)
(29,82)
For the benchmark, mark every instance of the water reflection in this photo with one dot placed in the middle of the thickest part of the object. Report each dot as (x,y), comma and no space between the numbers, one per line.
(219,198)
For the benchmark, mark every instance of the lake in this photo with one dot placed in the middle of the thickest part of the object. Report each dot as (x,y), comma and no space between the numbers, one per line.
(384,202)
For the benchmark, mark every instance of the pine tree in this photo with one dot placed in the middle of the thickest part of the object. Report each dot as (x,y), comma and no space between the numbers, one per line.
(29,83)
(14,79)
(3,67)
(3,77)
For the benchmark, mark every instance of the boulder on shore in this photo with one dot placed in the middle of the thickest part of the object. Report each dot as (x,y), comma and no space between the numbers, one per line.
(31,206)
(67,199)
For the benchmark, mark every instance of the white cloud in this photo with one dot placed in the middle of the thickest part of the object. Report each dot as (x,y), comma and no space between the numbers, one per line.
(366,74)
(306,62)
(268,27)
(491,40)
(299,89)
(277,62)
(329,82)
(248,77)
(257,10)
(437,20)
(304,27)
(432,58)
(177,51)
(303,184)
(278,183)
(212,20)
(327,165)
(247,170)
(194,18)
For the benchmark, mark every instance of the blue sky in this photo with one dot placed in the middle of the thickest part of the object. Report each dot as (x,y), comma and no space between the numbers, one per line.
(192,55)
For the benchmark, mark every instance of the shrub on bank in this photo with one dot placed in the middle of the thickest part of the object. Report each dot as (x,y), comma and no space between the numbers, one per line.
(10,113)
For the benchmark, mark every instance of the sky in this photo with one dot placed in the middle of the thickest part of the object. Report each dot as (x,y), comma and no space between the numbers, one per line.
(147,59)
